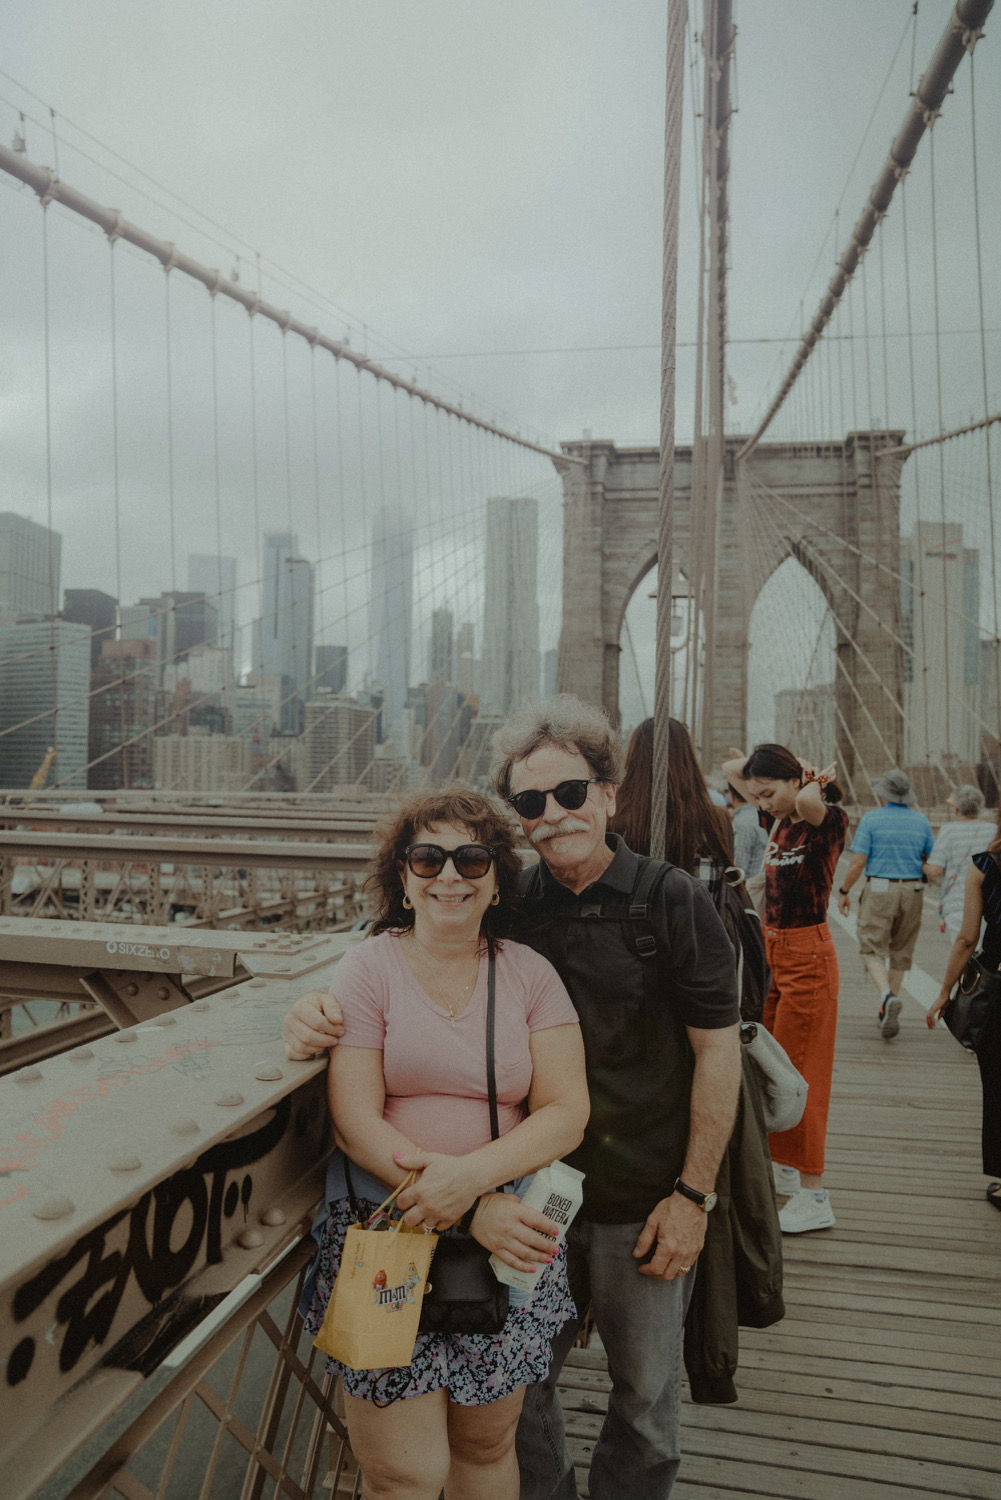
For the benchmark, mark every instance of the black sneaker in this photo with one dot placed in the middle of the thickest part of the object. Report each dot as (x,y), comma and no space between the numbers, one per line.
(889,1017)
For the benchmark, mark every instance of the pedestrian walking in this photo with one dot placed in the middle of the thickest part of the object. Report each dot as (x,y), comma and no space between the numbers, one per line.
(982,903)
(890,847)
(949,861)
(806,837)
(749,838)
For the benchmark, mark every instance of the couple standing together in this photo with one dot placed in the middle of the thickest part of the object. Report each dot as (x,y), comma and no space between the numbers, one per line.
(617,1048)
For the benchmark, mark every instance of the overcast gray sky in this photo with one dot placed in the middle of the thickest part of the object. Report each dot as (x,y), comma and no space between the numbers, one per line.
(479,185)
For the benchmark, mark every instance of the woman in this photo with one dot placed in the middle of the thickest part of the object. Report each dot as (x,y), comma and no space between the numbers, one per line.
(949,860)
(408,1089)
(806,839)
(982,900)
(696,830)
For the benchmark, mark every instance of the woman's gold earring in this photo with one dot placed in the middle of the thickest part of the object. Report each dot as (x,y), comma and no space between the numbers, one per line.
(495,899)
(408,905)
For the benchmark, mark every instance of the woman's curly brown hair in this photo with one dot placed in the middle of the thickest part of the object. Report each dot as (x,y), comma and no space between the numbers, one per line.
(464,808)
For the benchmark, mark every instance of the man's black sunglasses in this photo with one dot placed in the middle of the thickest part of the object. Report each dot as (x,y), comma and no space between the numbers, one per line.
(471,861)
(569,794)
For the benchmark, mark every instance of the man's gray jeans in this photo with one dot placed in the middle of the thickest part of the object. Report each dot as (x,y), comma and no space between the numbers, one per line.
(640,1322)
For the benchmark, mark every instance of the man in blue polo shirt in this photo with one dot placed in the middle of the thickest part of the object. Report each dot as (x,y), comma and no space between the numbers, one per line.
(890,848)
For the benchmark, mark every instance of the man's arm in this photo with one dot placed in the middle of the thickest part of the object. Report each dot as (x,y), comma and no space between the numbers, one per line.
(677,1225)
(312,1025)
(855,870)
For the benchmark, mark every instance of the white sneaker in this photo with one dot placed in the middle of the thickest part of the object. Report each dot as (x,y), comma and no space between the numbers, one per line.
(786,1180)
(888,1018)
(803,1212)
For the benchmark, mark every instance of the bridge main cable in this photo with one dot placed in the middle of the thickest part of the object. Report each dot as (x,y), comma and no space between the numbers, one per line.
(50,189)
(961,35)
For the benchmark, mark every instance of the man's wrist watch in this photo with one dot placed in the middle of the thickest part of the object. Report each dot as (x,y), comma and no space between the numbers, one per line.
(842,891)
(706,1201)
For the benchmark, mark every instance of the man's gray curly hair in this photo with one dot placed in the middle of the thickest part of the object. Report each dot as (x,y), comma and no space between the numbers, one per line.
(565,721)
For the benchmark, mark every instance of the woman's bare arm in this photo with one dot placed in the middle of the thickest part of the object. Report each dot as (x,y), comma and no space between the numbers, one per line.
(966,942)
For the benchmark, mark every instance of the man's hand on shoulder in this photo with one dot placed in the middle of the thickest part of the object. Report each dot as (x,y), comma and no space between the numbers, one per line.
(675,1230)
(313,1025)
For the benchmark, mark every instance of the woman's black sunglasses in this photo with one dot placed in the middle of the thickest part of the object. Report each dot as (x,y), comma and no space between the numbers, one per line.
(569,794)
(471,861)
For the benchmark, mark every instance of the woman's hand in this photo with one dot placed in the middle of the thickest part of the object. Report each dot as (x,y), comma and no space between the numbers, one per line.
(934,1015)
(444,1191)
(312,1026)
(516,1234)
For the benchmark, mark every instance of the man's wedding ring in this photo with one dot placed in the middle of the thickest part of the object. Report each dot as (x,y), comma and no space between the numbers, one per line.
(684,1270)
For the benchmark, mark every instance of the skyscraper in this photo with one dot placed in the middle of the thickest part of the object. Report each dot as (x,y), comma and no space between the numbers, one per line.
(390,605)
(44,687)
(215,577)
(465,662)
(123,715)
(330,669)
(176,621)
(96,609)
(511,607)
(442,647)
(283,633)
(30,556)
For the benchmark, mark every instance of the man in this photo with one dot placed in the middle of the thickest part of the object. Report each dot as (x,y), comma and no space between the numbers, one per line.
(890,847)
(663,1059)
(750,840)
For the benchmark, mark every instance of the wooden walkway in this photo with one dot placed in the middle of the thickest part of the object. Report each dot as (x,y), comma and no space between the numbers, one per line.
(882,1380)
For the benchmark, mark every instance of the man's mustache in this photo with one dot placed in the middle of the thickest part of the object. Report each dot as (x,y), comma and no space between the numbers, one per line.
(554,830)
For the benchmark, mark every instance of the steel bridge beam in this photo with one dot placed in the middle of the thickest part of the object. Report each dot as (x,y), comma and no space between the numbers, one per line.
(143,1180)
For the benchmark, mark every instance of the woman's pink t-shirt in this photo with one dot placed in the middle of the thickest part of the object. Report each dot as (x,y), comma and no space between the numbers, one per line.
(436,1071)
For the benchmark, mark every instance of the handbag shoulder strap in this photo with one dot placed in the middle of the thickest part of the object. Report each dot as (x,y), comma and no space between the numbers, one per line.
(491,1075)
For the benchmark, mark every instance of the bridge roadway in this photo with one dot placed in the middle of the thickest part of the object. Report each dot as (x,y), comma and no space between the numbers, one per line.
(881,1382)
(189,1180)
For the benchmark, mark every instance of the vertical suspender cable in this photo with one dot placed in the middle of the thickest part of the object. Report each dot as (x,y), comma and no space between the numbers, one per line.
(53,602)
(996,643)
(677,21)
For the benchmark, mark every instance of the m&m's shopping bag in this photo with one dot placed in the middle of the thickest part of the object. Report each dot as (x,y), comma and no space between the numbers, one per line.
(375,1306)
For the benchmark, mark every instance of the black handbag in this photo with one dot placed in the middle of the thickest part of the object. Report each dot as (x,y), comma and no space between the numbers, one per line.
(978,991)
(463,1295)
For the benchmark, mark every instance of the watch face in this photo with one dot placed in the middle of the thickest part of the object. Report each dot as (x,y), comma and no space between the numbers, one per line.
(710,1202)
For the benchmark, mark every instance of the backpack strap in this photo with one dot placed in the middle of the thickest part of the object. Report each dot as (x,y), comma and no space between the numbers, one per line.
(644,935)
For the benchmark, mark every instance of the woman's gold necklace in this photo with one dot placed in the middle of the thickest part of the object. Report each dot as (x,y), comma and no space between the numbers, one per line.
(445,1003)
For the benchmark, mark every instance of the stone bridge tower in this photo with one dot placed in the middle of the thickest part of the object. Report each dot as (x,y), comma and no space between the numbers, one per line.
(834,507)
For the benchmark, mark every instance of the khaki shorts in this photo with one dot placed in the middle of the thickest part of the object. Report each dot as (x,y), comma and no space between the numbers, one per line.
(889,921)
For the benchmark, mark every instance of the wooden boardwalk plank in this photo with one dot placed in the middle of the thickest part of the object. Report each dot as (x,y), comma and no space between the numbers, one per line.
(881,1383)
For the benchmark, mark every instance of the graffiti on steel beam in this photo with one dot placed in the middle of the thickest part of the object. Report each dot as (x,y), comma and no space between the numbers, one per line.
(153,1247)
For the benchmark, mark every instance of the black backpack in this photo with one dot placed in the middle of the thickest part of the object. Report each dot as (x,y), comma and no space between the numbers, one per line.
(743,928)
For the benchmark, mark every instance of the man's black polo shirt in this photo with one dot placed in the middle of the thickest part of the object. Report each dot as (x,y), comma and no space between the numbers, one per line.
(639,1061)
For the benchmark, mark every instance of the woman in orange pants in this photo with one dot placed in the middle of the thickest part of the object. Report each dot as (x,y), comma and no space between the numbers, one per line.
(807,835)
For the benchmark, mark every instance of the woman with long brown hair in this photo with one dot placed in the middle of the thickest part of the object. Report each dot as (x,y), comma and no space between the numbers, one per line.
(807,835)
(696,830)
(982,902)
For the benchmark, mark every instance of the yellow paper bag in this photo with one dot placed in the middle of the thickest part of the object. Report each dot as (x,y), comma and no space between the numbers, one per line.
(374,1309)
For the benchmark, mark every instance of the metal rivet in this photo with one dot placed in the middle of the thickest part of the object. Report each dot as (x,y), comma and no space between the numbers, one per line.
(167,1020)
(124,1164)
(250,1239)
(268,1073)
(84,1055)
(229,1101)
(54,1208)
(258,984)
(200,1005)
(131,989)
(163,993)
(272,1217)
(29,1075)
(126,1036)
(184,1127)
